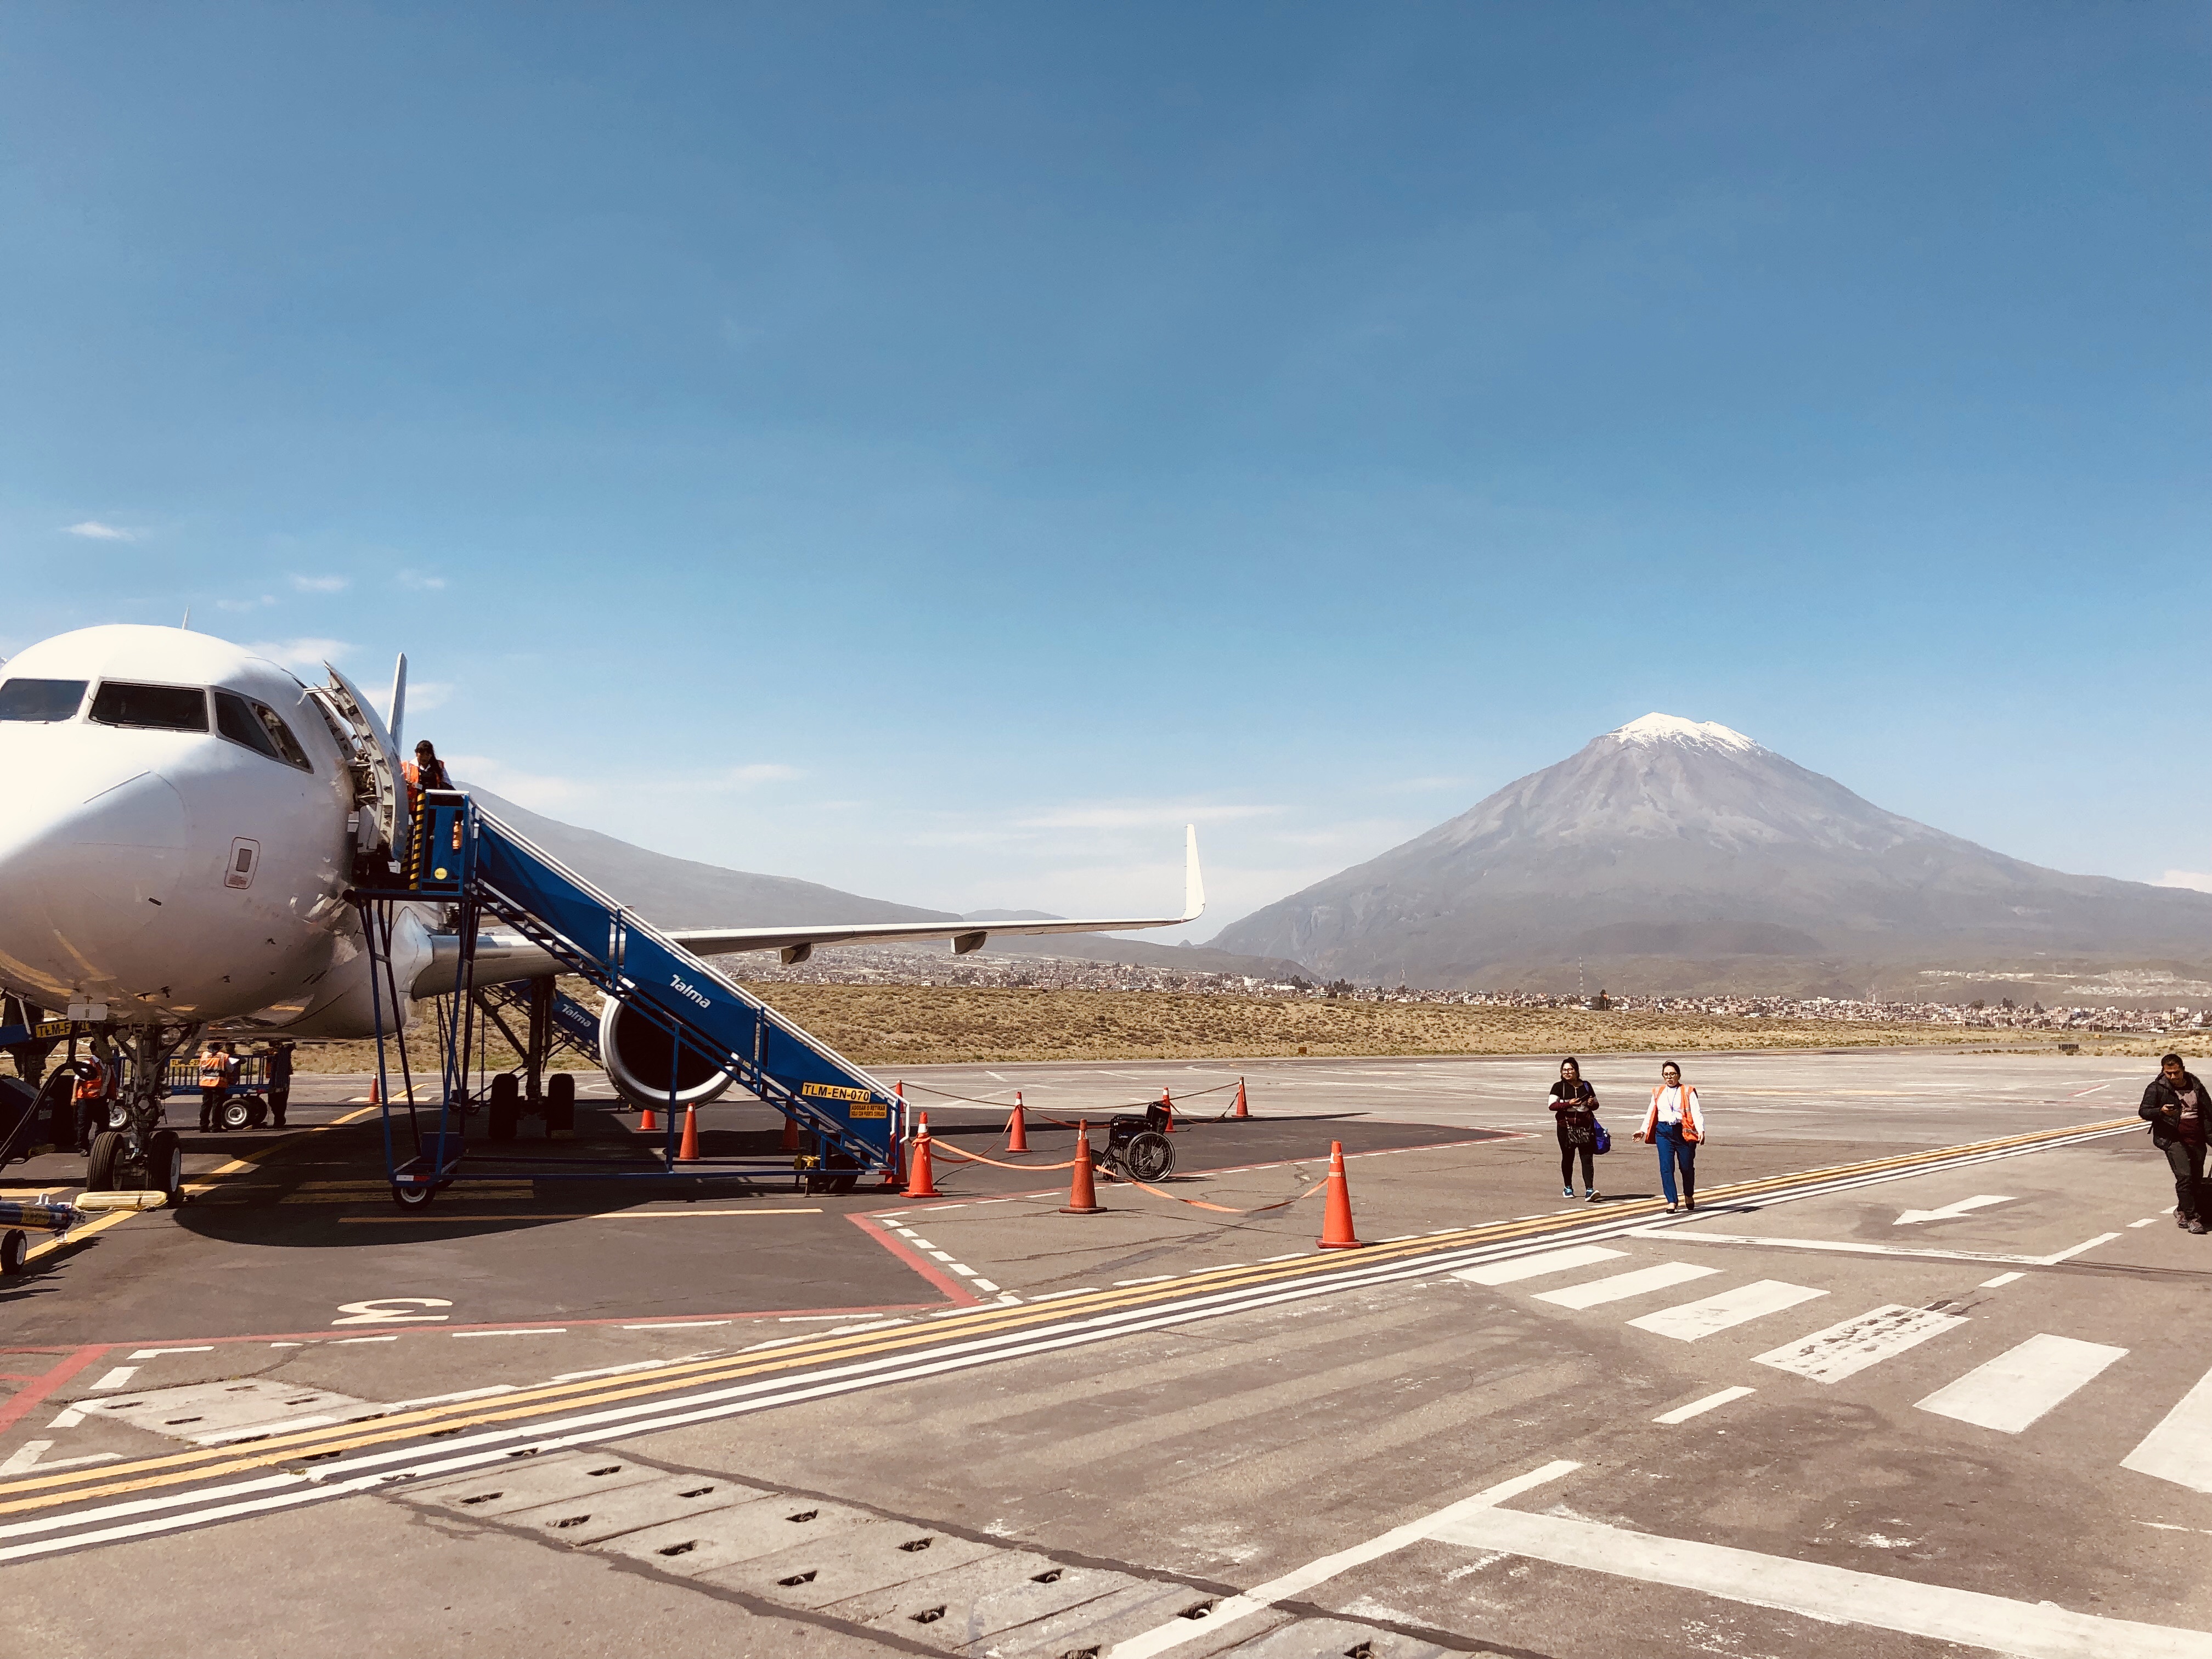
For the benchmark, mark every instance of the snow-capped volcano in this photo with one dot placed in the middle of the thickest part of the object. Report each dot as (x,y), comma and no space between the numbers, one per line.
(1687,855)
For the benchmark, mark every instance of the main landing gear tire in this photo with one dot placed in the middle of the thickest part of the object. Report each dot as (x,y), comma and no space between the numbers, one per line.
(164,1163)
(506,1106)
(561,1104)
(100,1168)
(14,1246)
(1148,1157)
(410,1196)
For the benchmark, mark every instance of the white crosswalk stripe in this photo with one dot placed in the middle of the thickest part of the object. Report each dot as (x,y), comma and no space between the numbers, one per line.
(1693,1319)
(1536,1267)
(2180,1448)
(1642,1282)
(2017,1387)
(1847,1349)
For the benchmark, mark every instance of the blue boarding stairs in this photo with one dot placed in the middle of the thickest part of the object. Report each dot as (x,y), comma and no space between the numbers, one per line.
(479,870)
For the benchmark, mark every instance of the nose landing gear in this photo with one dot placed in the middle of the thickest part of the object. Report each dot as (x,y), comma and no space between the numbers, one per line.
(134,1154)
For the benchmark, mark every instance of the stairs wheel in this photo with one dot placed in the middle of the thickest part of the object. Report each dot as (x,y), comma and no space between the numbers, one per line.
(506,1106)
(238,1112)
(561,1102)
(412,1196)
(14,1246)
(100,1168)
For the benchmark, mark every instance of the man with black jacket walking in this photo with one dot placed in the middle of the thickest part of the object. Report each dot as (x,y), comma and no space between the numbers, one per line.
(2177,1110)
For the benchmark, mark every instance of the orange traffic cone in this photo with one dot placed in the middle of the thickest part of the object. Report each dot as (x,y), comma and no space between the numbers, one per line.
(1018,1133)
(1167,1102)
(1239,1110)
(919,1183)
(1336,1225)
(376,1090)
(1082,1198)
(689,1151)
(790,1134)
(648,1124)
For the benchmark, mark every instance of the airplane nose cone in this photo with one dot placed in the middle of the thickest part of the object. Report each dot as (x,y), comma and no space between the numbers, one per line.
(83,873)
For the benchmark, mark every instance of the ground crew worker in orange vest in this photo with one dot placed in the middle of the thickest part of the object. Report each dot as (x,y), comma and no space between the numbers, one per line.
(91,1100)
(217,1070)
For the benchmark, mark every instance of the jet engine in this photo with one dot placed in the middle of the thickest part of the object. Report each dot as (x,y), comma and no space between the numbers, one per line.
(637,1049)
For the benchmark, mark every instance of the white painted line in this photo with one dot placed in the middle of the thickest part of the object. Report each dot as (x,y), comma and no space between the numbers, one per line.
(340,1341)
(536,1330)
(118,1378)
(1693,1320)
(2001,1279)
(1835,1595)
(2180,1448)
(67,1419)
(1853,1247)
(147,1353)
(2147,1221)
(31,1458)
(1535,1267)
(2017,1387)
(1298,1581)
(1642,1282)
(1156,1278)
(1699,1407)
(982,1284)
(679,1325)
(1844,1350)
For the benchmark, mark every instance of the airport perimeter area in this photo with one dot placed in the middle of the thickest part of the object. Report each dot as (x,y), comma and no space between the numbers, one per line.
(1926,1373)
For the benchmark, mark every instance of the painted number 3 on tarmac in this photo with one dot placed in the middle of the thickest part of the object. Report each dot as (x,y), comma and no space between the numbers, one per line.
(389,1311)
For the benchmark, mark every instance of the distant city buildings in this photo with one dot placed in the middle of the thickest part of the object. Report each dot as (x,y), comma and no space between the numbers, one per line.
(869,965)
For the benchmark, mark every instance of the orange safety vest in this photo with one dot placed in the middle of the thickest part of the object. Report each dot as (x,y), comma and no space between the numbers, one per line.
(95,1085)
(1689,1126)
(214,1069)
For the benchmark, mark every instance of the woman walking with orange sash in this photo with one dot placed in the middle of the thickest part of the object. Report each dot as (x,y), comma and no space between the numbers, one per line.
(1675,1123)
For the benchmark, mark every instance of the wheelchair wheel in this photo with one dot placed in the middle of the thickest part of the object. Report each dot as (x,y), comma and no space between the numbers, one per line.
(1148,1157)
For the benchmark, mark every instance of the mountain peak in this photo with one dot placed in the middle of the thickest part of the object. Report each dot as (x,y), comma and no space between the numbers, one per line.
(1673,728)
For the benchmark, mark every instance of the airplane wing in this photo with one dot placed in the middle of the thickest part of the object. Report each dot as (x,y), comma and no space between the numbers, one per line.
(502,954)
(798,943)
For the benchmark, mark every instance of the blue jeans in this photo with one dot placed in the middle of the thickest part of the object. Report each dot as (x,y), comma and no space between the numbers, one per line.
(1675,1150)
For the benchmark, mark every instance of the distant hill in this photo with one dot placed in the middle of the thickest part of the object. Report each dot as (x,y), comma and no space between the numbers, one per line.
(1670,856)
(673,892)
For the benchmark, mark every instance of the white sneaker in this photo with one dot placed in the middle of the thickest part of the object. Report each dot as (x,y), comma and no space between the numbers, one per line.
(1566,1192)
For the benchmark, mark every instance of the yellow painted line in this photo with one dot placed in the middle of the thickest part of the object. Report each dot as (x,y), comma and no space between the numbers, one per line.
(583,1215)
(181,1467)
(77,1235)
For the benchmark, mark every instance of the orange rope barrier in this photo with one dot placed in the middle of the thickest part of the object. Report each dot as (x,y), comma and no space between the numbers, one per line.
(977,1158)
(1222,1209)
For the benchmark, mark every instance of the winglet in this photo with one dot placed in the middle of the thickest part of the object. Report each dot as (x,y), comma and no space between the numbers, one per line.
(1193,883)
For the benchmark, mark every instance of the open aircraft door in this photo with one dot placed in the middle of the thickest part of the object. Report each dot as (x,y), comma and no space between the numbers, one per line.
(380,792)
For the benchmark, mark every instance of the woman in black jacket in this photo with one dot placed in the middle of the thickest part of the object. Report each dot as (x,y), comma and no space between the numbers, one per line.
(2177,1110)
(1574,1114)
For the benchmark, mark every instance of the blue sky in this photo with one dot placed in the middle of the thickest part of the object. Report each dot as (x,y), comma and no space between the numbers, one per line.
(937,450)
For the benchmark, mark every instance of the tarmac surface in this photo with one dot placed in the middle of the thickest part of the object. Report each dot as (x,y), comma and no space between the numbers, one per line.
(1926,1373)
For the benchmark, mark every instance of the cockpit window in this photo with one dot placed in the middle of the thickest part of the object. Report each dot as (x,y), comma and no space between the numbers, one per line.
(234,721)
(164,708)
(41,700)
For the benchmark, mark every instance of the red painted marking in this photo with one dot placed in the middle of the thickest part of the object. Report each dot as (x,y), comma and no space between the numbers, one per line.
(954,1290)
(46,1384)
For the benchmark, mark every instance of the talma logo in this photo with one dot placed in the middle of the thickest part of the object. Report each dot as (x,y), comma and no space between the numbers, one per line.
(691,991)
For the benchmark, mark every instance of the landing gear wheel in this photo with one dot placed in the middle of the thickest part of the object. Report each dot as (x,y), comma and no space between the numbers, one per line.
(410,1196)
(14,1246)
(260,1112)
(119,1116)
(100,1168)
(1148,1157)
(164,1163)
(237,1113)
(561,1104)
(506,1106)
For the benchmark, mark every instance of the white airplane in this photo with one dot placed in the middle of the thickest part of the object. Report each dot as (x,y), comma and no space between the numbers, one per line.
(181,824)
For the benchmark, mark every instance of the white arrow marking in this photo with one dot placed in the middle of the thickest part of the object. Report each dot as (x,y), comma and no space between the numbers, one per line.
(1950,1212)
(29,1456)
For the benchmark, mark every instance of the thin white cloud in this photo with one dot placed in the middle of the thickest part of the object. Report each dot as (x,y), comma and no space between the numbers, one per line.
(93,530)
(322,584)
(2201,880)
(423,696)
(245,604)
(309,652)
(1140,816)
(545,790)
(417,582)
